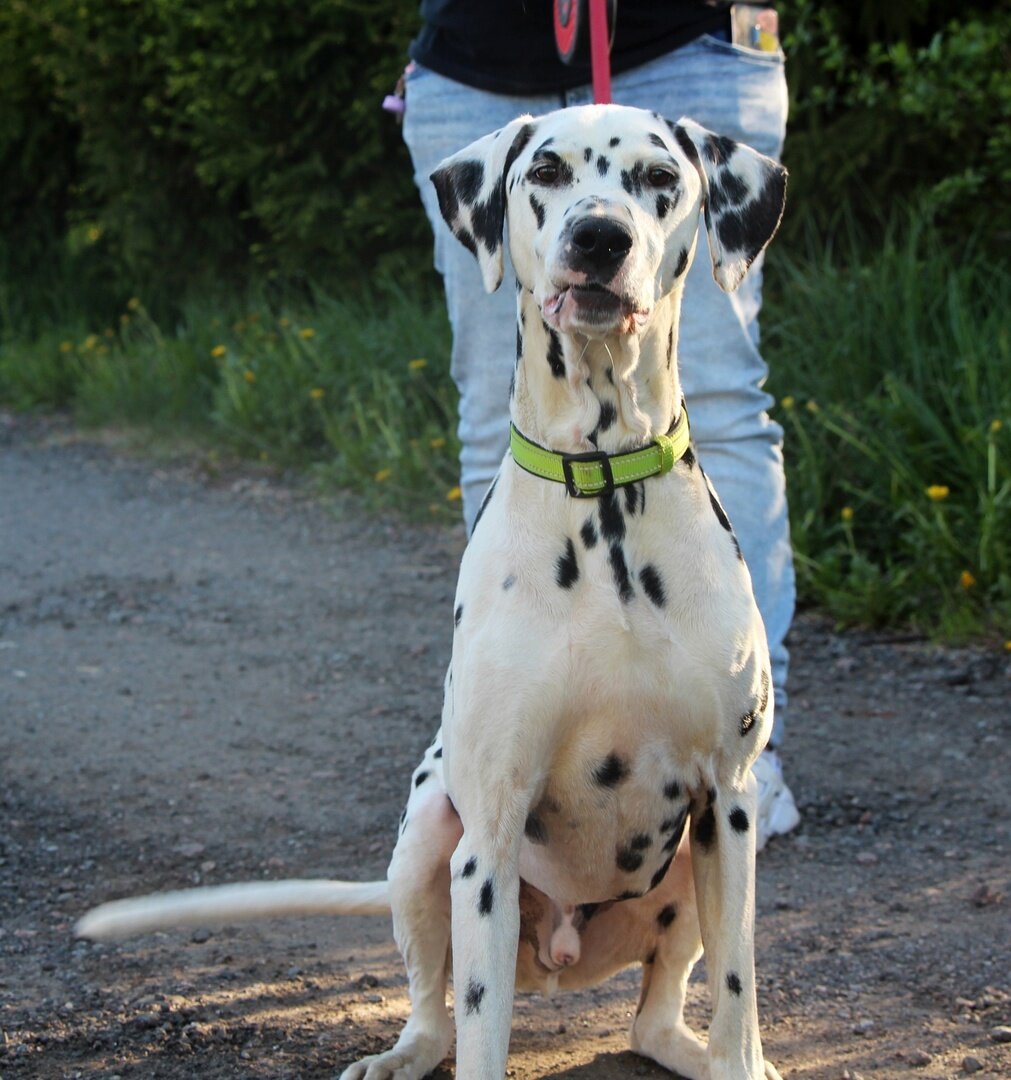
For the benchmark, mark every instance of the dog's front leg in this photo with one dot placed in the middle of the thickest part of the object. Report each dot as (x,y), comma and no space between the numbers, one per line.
(723,861)
(486,923)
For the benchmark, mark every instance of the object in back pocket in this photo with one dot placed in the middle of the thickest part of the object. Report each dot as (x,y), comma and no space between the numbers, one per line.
(754,27)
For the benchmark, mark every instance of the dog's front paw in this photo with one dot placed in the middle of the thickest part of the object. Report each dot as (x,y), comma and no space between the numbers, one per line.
(414,1057)
(673,1046)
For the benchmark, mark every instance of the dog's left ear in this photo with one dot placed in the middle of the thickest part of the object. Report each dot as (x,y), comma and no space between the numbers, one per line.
(471,186)
(745,192)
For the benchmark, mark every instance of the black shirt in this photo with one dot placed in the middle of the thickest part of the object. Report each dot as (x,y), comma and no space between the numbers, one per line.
(508,46)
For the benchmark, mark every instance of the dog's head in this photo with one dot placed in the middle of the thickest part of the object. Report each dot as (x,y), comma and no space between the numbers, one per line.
(603,205)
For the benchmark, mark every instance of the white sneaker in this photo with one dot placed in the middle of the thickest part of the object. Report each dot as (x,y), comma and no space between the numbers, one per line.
(777,812)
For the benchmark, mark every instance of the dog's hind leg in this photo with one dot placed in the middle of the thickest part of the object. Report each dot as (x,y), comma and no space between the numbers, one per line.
(723,861)
(419,895)
(659,1030)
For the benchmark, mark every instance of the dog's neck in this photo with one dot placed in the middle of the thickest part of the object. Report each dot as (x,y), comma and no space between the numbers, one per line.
(573,394)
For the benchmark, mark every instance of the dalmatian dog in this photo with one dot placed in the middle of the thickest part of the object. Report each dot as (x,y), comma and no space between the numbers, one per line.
(588,802)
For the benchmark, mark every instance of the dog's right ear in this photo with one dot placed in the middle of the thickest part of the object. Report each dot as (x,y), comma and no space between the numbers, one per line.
(471,186)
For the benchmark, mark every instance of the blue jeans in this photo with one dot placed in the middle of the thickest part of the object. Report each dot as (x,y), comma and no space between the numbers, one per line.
(733,91)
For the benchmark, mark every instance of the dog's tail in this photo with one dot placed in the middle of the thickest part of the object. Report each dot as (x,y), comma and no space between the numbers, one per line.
(244,902)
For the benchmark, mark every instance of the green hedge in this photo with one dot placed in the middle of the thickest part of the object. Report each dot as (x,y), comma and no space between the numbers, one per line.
(165,145)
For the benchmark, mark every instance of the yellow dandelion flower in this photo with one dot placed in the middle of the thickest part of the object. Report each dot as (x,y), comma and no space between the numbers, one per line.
(812,406)
(218,351)
(417,365)
(1007,646)
(788,402)
(66,346)
(89,342)
(133,304)
(307,333)
(846,513)
(995,426)
(383,474)
(317,393)
(938,492)
(454,494)
(249,376)
(284,322)
(94,233)
(966,580)
(124,319)
(437,443)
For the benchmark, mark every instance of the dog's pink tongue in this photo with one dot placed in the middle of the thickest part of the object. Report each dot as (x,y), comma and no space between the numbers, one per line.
(553,304)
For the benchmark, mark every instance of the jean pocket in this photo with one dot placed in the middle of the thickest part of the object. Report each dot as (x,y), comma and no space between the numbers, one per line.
(728,48)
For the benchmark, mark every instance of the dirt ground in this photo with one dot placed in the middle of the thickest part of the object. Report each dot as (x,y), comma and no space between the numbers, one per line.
(214,678)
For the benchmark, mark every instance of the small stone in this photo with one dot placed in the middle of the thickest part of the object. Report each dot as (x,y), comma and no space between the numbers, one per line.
(918,1058)
(200,935)
(868,858)
(971,1064)
(863,1027)
(1001,1034)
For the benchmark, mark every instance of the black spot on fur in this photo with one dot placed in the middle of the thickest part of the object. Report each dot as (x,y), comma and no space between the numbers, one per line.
(640,842)
(719,148)
(608,415)
(738,820)
(619,571)
(523,137)
(650,578)
(628,859)
(661,873)
(611,771)
(475,992)
(509,582)
(486,900)
(705,829)
(587,911)
(458,614)
(469,867)
(468,241)
(468,176)
(671,790)
(651,959)
(731,190)
(632,180)
(566,568)
(602,165)
(721,514)
(663,205)
(631,499)
(667,915)
(682,263)
(676,832)
(613,141)
(688,457)
(403,817)
(748,722)
(534,830)
(588,154)
(732,230)
(438,753)
(629,894)
(734,983)
(538,209)
(420,779)
(612,522)
(588,534)
(555,357)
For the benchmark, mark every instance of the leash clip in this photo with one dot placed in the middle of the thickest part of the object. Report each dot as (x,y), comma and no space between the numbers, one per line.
(591,457)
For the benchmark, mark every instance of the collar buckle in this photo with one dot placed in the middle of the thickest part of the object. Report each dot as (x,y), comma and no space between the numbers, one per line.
(592,457)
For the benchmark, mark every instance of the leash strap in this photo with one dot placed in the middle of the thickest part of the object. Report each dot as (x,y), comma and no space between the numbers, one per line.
(588,475)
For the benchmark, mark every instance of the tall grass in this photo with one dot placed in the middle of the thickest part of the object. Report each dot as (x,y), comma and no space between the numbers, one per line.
(889,358)
(893,376)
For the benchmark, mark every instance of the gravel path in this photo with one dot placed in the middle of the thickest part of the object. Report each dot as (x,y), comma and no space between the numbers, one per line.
(204,680)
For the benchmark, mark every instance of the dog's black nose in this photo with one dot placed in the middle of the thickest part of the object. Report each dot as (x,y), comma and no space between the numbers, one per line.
(599,244)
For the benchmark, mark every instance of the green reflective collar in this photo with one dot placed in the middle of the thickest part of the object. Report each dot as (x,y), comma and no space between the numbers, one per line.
(586,476)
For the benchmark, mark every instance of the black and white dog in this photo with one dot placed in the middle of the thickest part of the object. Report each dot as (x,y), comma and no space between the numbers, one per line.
(610,676)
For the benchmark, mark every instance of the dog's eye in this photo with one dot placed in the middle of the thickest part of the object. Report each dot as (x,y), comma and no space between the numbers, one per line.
(659,176)
(546,173)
